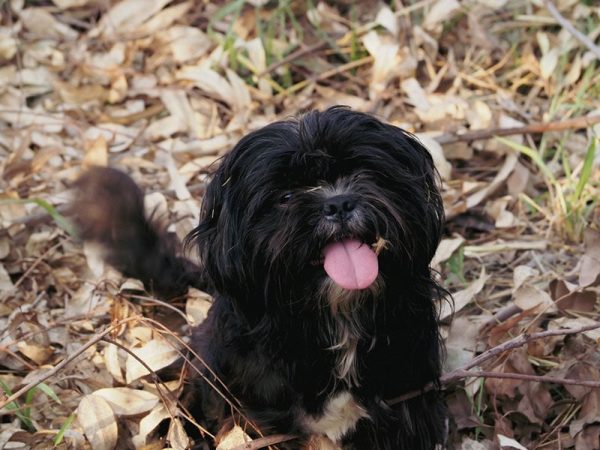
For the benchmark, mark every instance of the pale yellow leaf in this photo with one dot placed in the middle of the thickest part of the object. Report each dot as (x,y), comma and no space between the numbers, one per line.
(149,423)
(157,354)
(112,363)
(589,270)
(96,152)
(6,283)
(384,51)
(185,43)
(446,248)
(521,274)
(505,441)
(126,401)
(40,22)
(529,297)
(127,15)
(437,153)
(548,63)
(387,19)
(176,435)
(164,18)
(509,164)
(440,12)
(97,419)
(234,438)
(240,93)
(463,297)
(207,80)
(197,306)
(65,4)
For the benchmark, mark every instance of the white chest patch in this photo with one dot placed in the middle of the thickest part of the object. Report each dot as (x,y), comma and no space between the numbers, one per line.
(340,415)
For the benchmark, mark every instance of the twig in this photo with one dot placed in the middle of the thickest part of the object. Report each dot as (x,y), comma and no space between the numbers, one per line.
(291,57)
(158,383)
(527,377)
(265,441)
(323,76)
(488,133)
(94,340)
(35,264)
(462,372)
(571,29)
(519,341)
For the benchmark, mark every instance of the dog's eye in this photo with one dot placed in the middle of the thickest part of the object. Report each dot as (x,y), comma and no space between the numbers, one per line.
(285,198)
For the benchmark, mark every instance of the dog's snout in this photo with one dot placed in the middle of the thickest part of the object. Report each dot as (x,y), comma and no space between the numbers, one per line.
(339,207)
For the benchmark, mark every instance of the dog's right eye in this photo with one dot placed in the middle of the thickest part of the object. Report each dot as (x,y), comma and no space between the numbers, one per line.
(285,198)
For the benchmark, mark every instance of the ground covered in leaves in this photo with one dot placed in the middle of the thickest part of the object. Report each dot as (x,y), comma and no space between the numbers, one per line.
(161,88)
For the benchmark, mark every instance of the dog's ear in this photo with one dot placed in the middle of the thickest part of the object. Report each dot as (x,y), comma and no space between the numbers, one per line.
(430,201)
(219,236)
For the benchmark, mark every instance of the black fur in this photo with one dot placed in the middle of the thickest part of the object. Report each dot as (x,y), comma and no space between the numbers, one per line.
(279,331)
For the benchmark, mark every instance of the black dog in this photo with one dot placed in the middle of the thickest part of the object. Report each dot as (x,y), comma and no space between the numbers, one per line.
(315,240)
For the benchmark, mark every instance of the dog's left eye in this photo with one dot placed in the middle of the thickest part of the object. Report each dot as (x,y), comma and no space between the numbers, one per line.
(285,198)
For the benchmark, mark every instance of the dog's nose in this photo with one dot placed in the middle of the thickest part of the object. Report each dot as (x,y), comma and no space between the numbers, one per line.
(339,207)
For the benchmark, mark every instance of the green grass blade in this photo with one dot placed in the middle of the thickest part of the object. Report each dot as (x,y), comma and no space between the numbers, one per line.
(587,169)
(61,433)
(43,387)
(60,220)
(532,154)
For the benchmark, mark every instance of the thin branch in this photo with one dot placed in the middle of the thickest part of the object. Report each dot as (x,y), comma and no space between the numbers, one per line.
(488,133)
(519,341)
(265,441)
(553,10)
(291,57)
(527,377)
(158,383)
(43,377)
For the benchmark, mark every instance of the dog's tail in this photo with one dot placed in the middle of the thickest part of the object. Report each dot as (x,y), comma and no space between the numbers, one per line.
(109,209)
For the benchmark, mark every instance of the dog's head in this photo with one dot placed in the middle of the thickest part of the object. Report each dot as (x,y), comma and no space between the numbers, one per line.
(334,198)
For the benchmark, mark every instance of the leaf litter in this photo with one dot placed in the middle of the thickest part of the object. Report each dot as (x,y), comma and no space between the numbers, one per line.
(161,89)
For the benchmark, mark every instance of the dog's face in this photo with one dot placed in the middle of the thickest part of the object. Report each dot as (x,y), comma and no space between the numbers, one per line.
(332,199)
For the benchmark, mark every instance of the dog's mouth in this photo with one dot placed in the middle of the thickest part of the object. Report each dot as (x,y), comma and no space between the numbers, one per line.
(351,263)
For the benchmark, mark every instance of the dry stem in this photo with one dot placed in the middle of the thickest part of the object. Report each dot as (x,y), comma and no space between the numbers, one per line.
(463,372)
(488,133)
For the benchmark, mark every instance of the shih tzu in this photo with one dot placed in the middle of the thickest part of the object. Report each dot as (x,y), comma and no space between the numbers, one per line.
(315,240)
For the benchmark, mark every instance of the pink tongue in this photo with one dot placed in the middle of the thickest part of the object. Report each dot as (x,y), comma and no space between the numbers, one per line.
(351,264)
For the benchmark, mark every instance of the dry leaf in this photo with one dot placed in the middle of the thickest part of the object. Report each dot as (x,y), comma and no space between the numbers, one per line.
(387,19)
(505,441)
(461,343)
(176,435)
(97,419)
(184,43)
(197,306)
(157,354)
(441,11)
(463,297)
(385,53)
(43,24)
(509,164)
(446,249)
(531,298)
(149,423)
(112,363)
(233,439)
(126,401)
(589,271)
(548,63)
(126,16)
(437,153)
